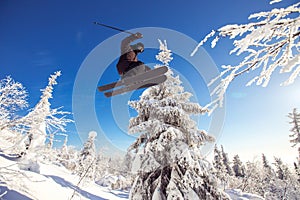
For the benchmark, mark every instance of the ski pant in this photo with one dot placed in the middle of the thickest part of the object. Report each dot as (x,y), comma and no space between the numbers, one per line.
(135,69)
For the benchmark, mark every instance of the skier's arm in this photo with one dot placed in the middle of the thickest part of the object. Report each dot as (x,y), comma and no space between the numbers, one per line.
(125,45)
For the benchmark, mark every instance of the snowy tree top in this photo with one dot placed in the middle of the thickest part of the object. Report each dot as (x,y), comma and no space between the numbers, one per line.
(165,55)
(47,92)
(92,134)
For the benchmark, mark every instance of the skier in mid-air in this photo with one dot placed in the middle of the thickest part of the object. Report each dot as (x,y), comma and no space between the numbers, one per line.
(128,64)
(133,72)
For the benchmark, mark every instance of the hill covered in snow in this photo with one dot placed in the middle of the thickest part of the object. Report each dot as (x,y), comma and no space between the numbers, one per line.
(52,182)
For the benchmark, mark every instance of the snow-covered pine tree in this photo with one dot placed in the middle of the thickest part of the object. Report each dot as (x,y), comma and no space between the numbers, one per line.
(63,153)
(67,155)
(226,162)
(71,161)
(168,161)
(295,121)
(287,186)
(238,167)
(250,178)
(87,159)
(127,162)
(282,171)
(219,167)
(265,162)
(267,171)
(297,171)
(13,97)
(268,177)
(42,120)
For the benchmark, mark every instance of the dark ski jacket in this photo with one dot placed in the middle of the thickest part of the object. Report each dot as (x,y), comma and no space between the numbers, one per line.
(128,56)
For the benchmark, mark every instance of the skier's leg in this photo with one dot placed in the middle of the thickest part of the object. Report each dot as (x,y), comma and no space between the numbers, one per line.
(141,68)
(135,69)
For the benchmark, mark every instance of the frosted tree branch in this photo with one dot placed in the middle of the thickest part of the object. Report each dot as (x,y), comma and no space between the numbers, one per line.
(268,43)
(165,55)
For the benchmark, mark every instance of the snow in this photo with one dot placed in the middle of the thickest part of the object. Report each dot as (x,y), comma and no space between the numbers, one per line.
(47,180)
(93,134)
(239,195)
(53,182)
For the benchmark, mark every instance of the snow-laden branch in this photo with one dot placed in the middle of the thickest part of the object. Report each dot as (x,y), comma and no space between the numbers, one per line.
(269,43)
(165,55)
(13,97)
(275,1)
(42,119)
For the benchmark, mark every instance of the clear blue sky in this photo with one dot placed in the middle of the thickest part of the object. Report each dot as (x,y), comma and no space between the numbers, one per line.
(40,37)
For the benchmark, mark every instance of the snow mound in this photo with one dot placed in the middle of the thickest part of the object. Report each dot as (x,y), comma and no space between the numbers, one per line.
(114,182)
(236,194)
(52,182)
(16,183)
(30,165)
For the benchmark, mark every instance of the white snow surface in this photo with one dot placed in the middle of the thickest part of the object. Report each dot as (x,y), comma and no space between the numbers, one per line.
(236,194)
(56,182)
(50,181)
(53,182)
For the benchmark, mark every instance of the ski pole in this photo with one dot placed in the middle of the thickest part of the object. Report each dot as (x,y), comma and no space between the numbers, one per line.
(115,28)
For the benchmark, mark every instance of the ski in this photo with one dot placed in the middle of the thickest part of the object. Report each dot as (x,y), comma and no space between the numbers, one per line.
(135,86)
(140,77)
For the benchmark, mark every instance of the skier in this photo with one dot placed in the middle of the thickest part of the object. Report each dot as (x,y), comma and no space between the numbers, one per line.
(128,64)
(131,69)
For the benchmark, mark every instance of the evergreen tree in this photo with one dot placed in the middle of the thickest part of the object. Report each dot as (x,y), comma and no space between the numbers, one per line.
(267,169)
(168,161)
(68,155)
(297,171)
(238,167)
(219,165)
(222,171)
(295,121)
(42,119)
(127,162)
(87,159)
(282,170)
(265,162)
(267,177)
(226,162)
(287,186)
(252,180)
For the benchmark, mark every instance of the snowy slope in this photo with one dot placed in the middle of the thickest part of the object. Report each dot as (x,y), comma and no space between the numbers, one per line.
(239,195)
(56,182)
(53,182)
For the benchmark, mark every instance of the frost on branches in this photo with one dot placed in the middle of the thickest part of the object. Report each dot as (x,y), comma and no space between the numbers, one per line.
(42,119)
(168,160)
(13,97)
(268,43)
(87,159)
